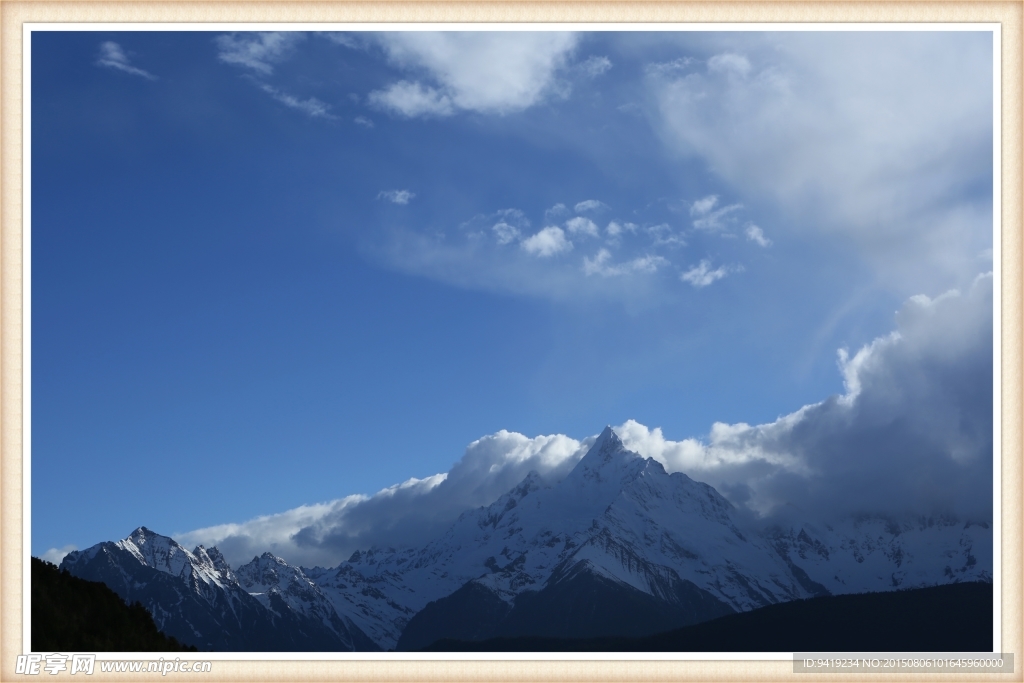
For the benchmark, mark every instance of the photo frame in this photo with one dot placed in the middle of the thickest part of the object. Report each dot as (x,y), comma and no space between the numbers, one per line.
(15,525)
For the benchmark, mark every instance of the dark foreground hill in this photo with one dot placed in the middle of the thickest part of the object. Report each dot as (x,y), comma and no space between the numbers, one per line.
(950,618)
(74,615)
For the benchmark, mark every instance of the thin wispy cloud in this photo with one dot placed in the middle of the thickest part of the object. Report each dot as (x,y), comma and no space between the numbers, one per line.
(411,99)
(671,68)
(601,265)
(707,217)
(311,106)
(396,196)
(702,275)
(350,40)
(257,51)
(260,52)
(756,234)
(113,56)
(591,206)
(702,206)
(595,65)
(363,121)
(665,236)
(555,212)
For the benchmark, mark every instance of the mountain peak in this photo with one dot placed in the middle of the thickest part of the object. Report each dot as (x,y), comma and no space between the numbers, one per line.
(143,537)
(157,551)
(608,461)
(607,448)
(609,437)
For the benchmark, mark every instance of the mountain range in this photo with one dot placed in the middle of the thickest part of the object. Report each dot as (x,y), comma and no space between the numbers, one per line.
(618,547)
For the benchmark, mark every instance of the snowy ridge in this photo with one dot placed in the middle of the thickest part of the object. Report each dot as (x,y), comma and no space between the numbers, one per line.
(268,575)
(874,553)
(623,517)
(197,598)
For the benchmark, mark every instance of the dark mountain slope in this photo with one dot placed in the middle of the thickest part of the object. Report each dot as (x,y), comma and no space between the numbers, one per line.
(576,603)
(74,615)
(950,618)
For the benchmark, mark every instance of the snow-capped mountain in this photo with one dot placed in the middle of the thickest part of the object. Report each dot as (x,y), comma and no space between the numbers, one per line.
(272,581)
(195,597)
(616,547)
(876,553)
(619,526)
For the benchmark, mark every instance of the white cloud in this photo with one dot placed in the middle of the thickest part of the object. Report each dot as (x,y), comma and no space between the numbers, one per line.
(702,206)
(715,220)
(555,212)
(112,55)
(594,65)
(363,121)
(701,274)
(600,265)
(488,72)
(260,52)
(729,63)
(327,533)
(396,196)
(257,51)
(55,555)
(590,205)
(853,135)
(756,234)
(615,228)
(502,252)
(505,233)
(913,433)
(312,106)
(412,99)
(548,242)
(672,68)
(665,236)
(582,226)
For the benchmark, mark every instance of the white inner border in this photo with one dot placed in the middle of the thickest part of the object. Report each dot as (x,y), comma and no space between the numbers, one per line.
(994,28)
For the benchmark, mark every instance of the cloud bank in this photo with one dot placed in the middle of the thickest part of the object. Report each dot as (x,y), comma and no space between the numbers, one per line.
(853,135)
(911,434)
(327,533)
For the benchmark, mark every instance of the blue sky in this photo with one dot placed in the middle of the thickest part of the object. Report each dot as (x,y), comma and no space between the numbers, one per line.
(273,269)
